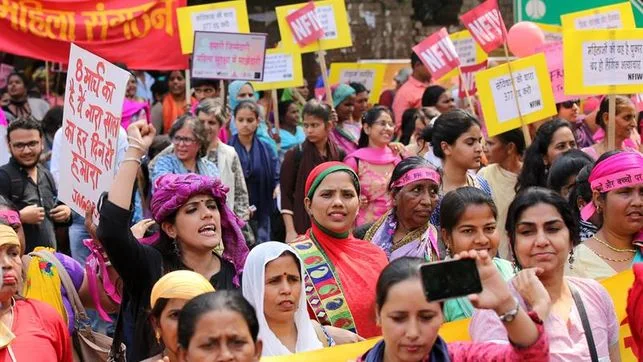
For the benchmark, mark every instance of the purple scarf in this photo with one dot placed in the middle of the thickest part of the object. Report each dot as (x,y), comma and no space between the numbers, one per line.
(130,109)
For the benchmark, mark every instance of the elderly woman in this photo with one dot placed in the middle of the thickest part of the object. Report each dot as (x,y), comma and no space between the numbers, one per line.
(333,258)
(346,132)
(405,229)
(191,143)
(194,219)
(20,104)
(617,186)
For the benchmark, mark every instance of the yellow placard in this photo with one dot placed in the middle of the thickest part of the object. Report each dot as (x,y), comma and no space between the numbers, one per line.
(469,51)
(533,85)
(228,17)
(553,33)
(371,75)
(617,16)
(276,66)
(603,61)
(333,17)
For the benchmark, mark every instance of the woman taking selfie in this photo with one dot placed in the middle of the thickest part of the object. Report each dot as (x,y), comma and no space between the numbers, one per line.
(410,323)
(543,231)
(333,257)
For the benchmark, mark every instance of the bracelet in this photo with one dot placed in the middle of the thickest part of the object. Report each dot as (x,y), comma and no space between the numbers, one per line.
(137,147)
(131,159)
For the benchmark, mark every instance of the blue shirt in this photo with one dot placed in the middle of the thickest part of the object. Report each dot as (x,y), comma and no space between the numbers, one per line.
(171,164)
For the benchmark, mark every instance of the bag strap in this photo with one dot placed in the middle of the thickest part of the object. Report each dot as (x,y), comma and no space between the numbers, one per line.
(588,329)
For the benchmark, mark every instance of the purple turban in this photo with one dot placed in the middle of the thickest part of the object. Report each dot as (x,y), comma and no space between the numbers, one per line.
(173,191)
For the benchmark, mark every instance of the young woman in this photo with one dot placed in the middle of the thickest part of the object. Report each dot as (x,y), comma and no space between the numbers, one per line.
(410,323)
(617,185)
(361,100)
(239,91)
(169,295)
(20,104)
(413,122)
(543,231)
(374,162)
(625,125)
(274,286)
(563,172)
(468,220)
(194,219)
(504,153)
(570,112)
(438,97)
(332,257)
(191,144)
(290,132)
(260,165)
(346,132)
(552,140)
(134,108)
(580,195)
(405,229)
(174,103)
(223,319)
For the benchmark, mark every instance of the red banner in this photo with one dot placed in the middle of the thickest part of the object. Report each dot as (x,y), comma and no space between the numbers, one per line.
(438,53)
(485,24)
(142,34)
(468,79)
(304,25)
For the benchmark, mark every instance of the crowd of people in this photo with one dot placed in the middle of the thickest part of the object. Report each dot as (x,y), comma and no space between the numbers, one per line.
(224,235)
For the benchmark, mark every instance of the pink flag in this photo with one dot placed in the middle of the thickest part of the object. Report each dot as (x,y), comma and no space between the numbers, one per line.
(305,25)
(468,79)
(438,53)
(485,24)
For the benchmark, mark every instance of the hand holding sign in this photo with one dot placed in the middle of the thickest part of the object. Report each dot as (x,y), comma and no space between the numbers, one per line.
(305,25)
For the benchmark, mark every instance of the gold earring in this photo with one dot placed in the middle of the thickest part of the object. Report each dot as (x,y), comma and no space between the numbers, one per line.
(158,336)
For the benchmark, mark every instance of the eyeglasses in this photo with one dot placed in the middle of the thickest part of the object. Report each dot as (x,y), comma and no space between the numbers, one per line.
(21,146)
(570,104)
(384,124)
(185,140)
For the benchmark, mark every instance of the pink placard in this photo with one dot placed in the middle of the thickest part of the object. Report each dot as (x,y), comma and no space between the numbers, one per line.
(485,24)
(438,53)
(304,25)
(554,55)
(468,79)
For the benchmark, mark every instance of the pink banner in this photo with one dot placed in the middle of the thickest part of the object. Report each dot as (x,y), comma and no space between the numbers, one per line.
(485,24)
(304,25)
(438,53)
(554,55)
(468,79)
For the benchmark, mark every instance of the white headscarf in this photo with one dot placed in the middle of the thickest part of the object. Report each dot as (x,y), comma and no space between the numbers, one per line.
(253,290)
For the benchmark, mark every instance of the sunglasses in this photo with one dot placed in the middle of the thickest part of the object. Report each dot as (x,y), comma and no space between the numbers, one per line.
(570,104)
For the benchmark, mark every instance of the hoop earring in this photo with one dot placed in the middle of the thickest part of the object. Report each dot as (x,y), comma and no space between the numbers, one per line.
(571,259)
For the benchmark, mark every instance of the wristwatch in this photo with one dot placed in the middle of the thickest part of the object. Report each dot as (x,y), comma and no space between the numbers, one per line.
(510,315)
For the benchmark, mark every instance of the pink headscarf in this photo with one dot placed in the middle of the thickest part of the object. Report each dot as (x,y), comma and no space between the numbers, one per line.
(173,191)
(617,171)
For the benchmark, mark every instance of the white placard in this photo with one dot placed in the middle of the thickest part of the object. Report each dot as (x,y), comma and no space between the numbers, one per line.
(529,94)
(608,20)
(91,121)
(466,49)
(232,56)
(278,68)
(609,62)
(326,19)
(364,76)
(224,20)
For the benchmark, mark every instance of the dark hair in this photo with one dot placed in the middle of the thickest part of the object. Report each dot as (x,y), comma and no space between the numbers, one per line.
(317,109)
(397,271)
(293,256)
(198,129)
(358,87)
(200,82)
(431,95)
(22,77)
(514,136)
(415,59)
(448,127)
(369,118)
(5,202)
(230,300)
(283,108)
(455,203)
(534,196)
(52,120)
(565,166)
(408,124)
(158,308)
(159,88)
(28,123)
(169,74)
(603,109)
(534,170)
(406,165)
(249,105)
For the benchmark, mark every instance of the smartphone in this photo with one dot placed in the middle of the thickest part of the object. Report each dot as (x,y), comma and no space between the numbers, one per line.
(450,279)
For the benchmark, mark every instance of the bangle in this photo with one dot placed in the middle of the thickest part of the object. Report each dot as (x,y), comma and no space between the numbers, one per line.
(137,147)
(131,159)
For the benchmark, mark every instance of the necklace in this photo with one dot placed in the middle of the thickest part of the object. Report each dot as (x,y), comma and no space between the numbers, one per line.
(612,260)
(613,248)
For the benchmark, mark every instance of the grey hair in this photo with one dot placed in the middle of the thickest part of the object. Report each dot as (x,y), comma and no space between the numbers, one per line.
(214,107)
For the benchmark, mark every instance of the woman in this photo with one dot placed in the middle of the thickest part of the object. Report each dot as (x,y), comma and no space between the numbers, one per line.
(194,219)
(174,103)
(373,162)
(260,165)
(223,319)
(273,284)
(617,185)
(569,111)
(26,323)
(169,295)
(191,144)
(410,323)
(405,229)
(468,220)
(290,132)
(346,133)
(580,195)
(413,122)
(20,105)
(543,231)
(239,91)
(361,100)
(134,108)
(333,258)
(625,126)
(504,153)
(552,140)
(438,97)
(563,172)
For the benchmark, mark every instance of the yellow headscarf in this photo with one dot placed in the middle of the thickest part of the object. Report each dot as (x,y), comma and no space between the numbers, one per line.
(8,236)
(43,283)
(180,284)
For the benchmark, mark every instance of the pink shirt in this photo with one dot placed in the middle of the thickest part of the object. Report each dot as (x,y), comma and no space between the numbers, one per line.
(408,96)
(566,340)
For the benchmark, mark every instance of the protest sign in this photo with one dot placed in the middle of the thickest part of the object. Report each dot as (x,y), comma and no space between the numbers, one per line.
(603,61)
(371,75)
(227,17)
(333,18)
(5,70)
(468,85)
(438,53)
(282,69)
(486,25)
(469,52)
(554,55)
(305,25)
(232,56)
(618,16)
(534,94)
(91,122)
(552,33)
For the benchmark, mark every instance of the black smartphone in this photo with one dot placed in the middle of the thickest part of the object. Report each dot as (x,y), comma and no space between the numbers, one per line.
(450,279)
